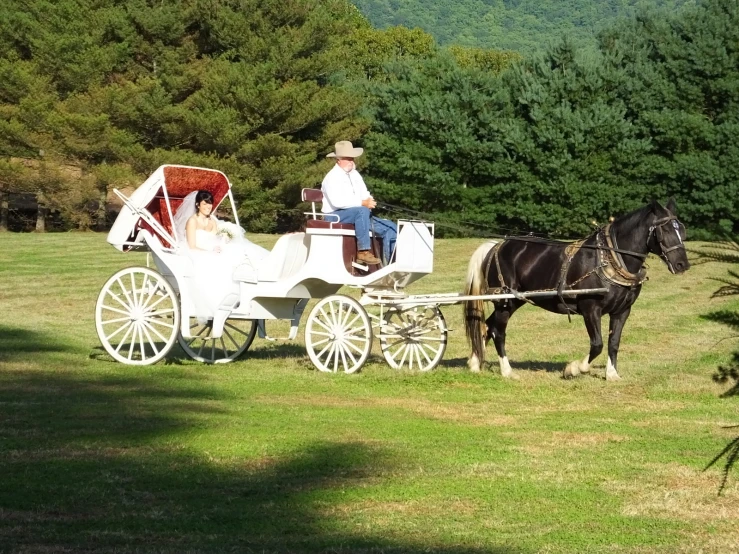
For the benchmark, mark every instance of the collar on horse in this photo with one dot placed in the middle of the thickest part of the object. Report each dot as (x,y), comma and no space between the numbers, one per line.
(611,264)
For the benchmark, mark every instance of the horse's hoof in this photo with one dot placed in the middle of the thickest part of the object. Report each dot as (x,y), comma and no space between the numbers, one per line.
(571,370)
(474,365)
(613,377)
(512,376)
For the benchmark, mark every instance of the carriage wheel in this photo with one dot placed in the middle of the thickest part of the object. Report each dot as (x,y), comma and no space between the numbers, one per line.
(338,334)
(415,337)
(137,316)
(238,334)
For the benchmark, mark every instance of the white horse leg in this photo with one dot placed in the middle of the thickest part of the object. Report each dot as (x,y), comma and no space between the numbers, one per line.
(505,368)
(611,373)
(474,363)
(577,367)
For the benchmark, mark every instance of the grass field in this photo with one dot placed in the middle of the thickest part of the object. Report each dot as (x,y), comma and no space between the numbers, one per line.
(269,455)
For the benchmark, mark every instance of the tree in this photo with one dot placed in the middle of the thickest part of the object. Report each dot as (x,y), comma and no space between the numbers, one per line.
(726,252)
(242,85)
(681,90)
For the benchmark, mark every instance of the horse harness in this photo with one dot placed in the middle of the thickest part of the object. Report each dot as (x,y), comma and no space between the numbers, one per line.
(610,268)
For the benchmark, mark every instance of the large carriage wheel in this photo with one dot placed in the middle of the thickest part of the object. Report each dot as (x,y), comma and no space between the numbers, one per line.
(415,337)
(338,334)
(238,334)
(137,316)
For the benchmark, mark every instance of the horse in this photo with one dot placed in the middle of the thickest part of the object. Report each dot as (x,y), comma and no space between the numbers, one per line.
(610,258)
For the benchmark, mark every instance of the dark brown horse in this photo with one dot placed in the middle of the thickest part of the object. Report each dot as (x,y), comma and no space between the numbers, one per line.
(611,258)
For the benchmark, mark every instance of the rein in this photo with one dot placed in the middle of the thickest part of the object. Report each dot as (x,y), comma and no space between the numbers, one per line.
(655,230)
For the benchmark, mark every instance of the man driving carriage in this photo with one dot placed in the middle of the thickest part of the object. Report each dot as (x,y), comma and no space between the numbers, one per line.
(346,196)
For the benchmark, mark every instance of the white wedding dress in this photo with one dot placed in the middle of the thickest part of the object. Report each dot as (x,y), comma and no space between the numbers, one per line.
(213,271)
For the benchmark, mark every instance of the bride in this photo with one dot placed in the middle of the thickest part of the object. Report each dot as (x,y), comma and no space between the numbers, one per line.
(215,248)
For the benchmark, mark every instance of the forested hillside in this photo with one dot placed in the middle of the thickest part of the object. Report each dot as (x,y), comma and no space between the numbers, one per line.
(95,94)
(522,25)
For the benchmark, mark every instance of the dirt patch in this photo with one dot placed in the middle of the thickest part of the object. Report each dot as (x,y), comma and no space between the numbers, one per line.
(681,493)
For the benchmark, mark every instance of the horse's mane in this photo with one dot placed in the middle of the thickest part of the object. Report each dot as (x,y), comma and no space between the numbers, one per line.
(632,219)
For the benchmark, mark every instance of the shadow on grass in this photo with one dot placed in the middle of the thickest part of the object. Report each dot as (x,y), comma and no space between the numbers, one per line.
(491,364)
(15,343)
(96,466)
(728,373)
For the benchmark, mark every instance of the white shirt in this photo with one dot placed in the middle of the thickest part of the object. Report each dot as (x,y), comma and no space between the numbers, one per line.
(342,190)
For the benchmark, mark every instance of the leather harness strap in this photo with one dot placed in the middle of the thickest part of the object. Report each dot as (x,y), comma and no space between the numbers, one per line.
(612,266)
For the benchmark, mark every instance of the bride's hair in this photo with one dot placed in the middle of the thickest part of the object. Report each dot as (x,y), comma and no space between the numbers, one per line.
(203,196)
(187,209)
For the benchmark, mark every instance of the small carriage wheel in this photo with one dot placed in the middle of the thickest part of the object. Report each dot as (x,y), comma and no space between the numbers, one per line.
(238,334)
(338,334)
(137,316)
(415,337)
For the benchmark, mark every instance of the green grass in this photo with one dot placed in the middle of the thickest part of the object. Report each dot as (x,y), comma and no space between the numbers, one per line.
(267,454)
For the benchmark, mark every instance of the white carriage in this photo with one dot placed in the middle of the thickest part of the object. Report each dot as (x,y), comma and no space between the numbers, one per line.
(142,312)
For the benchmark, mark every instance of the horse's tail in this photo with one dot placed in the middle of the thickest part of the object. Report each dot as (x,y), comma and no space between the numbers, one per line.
(474,310)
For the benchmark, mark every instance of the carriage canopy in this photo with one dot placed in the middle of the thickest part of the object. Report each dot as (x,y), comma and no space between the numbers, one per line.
(152,206)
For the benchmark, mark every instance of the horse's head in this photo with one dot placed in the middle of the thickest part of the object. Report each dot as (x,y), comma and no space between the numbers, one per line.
(667,235)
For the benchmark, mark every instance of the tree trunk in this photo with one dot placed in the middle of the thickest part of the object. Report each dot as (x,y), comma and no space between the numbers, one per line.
(41,219)
(4,207)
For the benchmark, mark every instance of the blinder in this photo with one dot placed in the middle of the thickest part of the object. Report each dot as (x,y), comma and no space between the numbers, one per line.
(659,232)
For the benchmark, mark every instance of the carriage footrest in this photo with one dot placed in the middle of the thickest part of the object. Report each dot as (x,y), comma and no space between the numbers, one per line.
(228,305)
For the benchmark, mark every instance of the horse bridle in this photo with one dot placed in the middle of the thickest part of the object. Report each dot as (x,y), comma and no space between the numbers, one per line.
(658,232)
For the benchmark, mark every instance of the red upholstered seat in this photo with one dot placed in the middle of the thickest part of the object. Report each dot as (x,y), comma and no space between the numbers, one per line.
(312,195)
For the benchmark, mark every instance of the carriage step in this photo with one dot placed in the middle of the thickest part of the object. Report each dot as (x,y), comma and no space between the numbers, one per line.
(360,266)
(228,305)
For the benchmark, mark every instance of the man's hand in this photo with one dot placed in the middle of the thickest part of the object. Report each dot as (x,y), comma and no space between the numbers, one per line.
(369,203)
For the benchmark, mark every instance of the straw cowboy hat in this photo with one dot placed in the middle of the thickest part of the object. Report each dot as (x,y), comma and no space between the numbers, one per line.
(345,149)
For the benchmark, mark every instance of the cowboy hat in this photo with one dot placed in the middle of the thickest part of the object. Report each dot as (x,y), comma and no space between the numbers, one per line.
(345,149)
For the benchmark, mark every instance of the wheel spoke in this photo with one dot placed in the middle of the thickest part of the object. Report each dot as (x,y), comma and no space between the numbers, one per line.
(148,326)
(151,342)
(155,304)
(116,320)
(349,353)
(326,318)
(133,290)
(159,322)
(395,354)
(317,343)
(322,324)
(343,359)
(125,336)
(430,339)
(121,328)
(324,350)
(355,347)
(116,310)
(234,328)
(132,345)
(160,313)
(228,335)
(125,293)
(349,325)
(428,348)
(142,292)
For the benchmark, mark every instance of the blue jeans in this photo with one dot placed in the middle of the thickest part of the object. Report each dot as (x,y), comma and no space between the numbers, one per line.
(363,222)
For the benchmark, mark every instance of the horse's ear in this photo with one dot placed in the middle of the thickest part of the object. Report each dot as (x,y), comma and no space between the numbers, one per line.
(655,206)
(672,206)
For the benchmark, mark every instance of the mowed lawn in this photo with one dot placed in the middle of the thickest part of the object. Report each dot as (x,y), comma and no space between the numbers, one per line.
(267,454)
